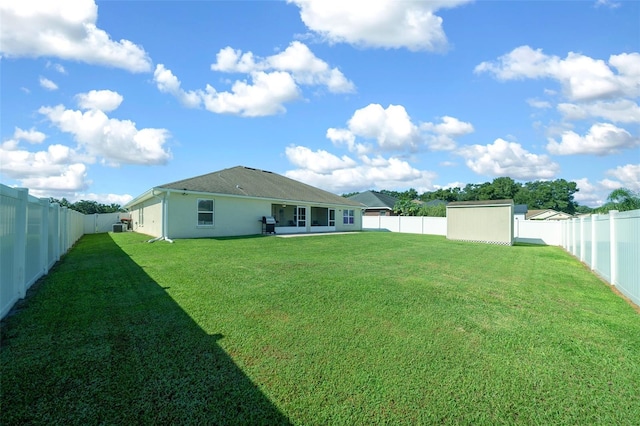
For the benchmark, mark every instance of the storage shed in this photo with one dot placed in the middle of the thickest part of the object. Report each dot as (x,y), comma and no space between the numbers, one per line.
(487,221)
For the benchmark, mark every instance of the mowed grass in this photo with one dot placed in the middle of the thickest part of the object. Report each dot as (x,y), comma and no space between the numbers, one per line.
(367,328)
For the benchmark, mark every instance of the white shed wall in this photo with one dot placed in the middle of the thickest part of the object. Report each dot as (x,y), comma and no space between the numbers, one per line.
(491,224)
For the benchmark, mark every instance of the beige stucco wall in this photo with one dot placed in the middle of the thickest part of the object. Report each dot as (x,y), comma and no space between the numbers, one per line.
(152,217)
(233,216)
(492,224)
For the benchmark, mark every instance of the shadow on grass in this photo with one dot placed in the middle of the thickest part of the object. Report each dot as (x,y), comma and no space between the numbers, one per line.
(100,342)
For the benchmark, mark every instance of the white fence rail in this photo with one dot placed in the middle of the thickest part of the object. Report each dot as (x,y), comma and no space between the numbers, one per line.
(33,236)
(406,224)
(610,245)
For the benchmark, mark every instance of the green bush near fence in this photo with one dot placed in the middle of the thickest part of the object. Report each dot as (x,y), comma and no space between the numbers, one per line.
(336,329)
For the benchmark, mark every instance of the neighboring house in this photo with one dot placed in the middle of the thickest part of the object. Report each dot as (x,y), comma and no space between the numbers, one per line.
(378,204)
(547,214)
(233,201)
(520,211)
(489,221)
(434,203)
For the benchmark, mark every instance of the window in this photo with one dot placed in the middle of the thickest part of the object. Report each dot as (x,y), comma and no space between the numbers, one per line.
(141,216)
(348,217)
(205,212)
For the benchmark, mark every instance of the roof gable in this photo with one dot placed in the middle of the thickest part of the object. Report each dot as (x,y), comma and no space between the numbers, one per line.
(249,182)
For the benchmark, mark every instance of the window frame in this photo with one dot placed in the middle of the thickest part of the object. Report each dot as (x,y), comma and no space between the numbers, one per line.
(348,217)
(199,212)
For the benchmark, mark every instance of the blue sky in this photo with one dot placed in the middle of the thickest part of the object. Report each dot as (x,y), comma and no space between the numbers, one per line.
(105,100)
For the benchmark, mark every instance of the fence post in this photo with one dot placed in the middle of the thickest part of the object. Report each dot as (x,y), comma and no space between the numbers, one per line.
(20,248)
(582,242)
(594,242)
(613,246)
(44,236)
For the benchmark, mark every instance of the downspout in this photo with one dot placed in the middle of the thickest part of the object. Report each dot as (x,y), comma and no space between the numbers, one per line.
(165,220)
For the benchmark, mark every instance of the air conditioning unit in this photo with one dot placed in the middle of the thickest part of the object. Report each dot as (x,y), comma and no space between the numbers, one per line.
(119,227)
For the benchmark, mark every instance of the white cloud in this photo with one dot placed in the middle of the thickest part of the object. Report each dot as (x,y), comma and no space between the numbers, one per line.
(619,111)
(581,77)
(72,178)
(601,139)
(169,83)
(120,199)
(319,161)
(608,3)
(589,194)
(56,169)
(266,95)
(502,158)
(537,103)
(66,30)
(392,127)
(57,67)
(47,84)
(297,60)
(627,175)
(378,23)
(115,141)
(32,135)
(393,130)
(369,173)
(103,100)
(272,81)
(440,137)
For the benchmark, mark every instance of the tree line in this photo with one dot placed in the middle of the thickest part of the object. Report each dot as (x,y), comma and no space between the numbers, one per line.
(88,206)
(537,195)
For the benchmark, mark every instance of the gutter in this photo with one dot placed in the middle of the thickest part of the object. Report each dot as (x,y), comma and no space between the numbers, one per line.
(165,220)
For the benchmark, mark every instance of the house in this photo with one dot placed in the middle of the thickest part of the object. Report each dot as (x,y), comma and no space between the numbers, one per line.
(233,202)
(520,211)
(547,214)
(487,221)
(378,204)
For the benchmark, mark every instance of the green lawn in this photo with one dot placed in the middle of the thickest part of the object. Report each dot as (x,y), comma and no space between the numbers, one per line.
(364,328)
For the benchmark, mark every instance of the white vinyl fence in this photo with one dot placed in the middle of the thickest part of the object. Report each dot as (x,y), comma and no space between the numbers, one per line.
(406,224)
(33,236)
(610,245)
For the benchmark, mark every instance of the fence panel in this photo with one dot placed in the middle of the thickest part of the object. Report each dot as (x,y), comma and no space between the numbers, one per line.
(587,240)
(538,232)
(627,252)
(602,262)
(407,224)
(33,235)
(10,203)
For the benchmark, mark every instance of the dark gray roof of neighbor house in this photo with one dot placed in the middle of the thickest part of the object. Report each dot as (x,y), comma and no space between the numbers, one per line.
(480,203)
(375,200)
(520,209)
(250,182)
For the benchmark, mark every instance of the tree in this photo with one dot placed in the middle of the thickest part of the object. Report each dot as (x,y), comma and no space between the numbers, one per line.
(621,199)
(433,211)
(406,207)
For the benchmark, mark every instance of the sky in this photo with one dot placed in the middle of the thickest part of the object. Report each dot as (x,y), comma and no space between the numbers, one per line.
(105,100)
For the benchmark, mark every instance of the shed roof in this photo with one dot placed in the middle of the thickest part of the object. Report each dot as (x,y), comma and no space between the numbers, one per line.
(250,182)
(375,200)
(480,203)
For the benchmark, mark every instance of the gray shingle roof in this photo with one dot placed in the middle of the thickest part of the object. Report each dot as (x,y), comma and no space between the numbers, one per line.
(373,199)
(250,182)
